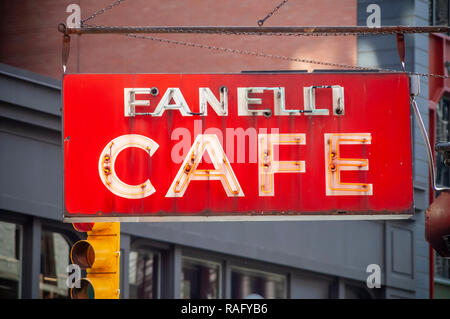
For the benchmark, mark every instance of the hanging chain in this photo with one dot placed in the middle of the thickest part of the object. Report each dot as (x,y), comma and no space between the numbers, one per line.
(101,11)
(306,32)
(271,13)
(278,57)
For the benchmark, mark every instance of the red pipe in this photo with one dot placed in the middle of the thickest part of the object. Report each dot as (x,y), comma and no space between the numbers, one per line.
(432,136)
(431,265)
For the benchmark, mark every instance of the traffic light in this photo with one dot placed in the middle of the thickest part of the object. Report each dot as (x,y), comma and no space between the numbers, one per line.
(437,224)
(99,255)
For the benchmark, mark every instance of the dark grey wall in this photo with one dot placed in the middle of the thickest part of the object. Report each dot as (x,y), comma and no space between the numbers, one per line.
(381,51)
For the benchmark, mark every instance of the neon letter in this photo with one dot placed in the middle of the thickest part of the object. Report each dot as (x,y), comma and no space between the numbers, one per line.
(130,101)
(206,96)
(222,170)
(108,158)
(244,100)
(268,166)
(180,103)
(334,164)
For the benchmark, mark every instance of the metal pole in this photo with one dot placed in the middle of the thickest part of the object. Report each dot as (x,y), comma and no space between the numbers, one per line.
(306,30)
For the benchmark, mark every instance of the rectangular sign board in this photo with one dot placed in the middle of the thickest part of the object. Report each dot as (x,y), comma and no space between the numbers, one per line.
(256,146)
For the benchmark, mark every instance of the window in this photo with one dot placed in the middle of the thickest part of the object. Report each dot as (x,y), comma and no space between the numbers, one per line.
(442,267)
(54,261)
(144,273)
(254,284)
(200,279)
(10,260)
(355,292)
(442,135)
(439,12)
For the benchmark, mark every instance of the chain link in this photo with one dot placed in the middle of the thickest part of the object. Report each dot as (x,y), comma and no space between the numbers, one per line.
(251,33)
(271,13)
(278,57)
(101,11)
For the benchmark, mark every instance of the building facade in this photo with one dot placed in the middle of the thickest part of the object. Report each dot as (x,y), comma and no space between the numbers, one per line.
(302,259)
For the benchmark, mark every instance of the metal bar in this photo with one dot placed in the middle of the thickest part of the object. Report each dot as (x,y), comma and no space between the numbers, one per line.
(32,234)
(307,30)
(431,163)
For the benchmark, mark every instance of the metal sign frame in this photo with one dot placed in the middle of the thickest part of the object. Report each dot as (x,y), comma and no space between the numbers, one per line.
(330,114)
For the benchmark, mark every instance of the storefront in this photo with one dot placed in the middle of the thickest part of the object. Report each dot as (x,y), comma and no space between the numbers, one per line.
(314,259)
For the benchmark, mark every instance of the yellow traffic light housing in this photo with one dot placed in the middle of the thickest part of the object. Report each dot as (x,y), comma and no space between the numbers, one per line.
(99,254)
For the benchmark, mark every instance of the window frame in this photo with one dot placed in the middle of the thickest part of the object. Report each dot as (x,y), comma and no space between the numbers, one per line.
(18,224)
(438,156)
(438,276)
(206,261)
(433,12)
(66,236)
(146,246)
(262,271)
(228,261)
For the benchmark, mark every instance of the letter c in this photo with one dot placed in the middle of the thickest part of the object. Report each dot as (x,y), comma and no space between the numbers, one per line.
(108,158)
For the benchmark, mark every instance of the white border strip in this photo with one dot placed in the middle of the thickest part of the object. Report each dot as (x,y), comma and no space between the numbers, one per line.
(231,218)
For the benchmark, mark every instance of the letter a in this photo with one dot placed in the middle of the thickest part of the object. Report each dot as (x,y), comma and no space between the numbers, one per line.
(222,169)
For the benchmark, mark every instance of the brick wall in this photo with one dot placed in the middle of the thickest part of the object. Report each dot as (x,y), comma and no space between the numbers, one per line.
(30,40)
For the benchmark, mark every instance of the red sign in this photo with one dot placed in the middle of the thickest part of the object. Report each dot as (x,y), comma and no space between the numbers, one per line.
(237,146)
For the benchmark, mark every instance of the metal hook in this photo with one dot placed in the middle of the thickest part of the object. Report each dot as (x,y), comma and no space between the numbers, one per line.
(65,46)
(401,49)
